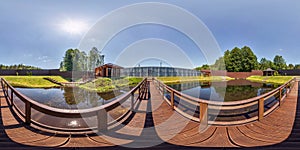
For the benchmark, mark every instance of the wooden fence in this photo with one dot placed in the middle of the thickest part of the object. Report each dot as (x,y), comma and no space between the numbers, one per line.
(202,107)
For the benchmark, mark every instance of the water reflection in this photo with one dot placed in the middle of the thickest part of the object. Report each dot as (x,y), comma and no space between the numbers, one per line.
(234,90)
(69,97)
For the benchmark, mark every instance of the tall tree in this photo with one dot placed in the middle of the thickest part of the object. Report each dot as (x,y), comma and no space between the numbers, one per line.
(95,59)
(279,62)
(265,64)
(249,61)
(291,66)
(68,60)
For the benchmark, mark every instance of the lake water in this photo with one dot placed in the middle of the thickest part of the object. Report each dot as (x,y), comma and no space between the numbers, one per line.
(228,91)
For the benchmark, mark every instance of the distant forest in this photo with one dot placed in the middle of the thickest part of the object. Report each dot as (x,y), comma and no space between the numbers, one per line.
(18,67)
(244,60)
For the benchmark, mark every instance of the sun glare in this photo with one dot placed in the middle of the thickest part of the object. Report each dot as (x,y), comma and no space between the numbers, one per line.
(74,27)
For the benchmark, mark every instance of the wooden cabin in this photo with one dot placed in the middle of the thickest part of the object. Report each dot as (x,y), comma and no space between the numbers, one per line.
(108,70)
(269,72)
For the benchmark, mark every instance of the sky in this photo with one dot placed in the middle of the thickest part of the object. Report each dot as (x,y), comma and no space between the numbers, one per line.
(38,33)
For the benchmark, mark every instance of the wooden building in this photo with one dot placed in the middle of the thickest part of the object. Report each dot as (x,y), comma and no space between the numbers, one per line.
(206,73)
(269,72)
(108,70)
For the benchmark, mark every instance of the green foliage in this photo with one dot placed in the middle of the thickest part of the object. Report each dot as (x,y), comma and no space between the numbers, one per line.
(103,85)
(265,64)
(203,67)
(18,67)
(76,60)
(279,63)
(291,66)
(33,81)
(297,66)
(219,64)
(237,60)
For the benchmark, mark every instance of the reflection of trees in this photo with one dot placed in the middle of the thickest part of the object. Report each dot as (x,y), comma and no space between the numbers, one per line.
(69,96)
(231,90)
(75,95)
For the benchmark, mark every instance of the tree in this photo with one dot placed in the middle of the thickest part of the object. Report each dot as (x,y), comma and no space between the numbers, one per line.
(234,60)
(76,60)
(265,64)
(219,64)
(297,66)
(203,67)
(237,60)
(95,59)
(249,61)
(67,64)
(291,66)
(279,62)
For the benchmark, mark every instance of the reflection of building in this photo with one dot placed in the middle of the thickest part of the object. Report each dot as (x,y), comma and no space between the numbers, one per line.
(269,72)
(111,70)
(108,70)
(206,73)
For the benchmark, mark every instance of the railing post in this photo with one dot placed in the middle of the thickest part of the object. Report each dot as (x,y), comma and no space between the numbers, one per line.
(261,108)
(27,113)
(203,114)
(102,120)
(139,97)
(12,97)
(172,99)
(132,101)
(280,96)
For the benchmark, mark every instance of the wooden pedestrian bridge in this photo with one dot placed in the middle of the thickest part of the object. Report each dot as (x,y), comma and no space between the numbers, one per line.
(155,116)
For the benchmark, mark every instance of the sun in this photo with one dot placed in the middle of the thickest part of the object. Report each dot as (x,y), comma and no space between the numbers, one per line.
(74,26)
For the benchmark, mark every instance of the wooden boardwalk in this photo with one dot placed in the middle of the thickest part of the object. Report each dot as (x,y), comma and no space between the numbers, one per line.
(154,123)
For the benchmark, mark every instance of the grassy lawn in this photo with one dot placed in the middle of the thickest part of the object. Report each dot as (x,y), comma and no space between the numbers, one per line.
(171,80)
(271,79)
(103,85)
(33,81)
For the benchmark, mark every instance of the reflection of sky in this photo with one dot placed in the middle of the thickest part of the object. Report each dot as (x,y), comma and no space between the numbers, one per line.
(29,29)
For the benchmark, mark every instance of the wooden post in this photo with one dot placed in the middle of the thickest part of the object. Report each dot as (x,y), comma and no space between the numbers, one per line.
(12,97)
(132,101)
(261,108)
(139,97)
(102,120)
(172,99)
(280,96)
(203,116)
(27,113)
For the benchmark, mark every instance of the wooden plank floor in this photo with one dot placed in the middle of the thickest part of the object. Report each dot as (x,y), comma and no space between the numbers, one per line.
(154,123)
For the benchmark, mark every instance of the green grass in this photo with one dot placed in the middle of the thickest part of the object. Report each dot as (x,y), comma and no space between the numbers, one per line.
(171,80)
(33,81)
(271,79)
(104,85)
